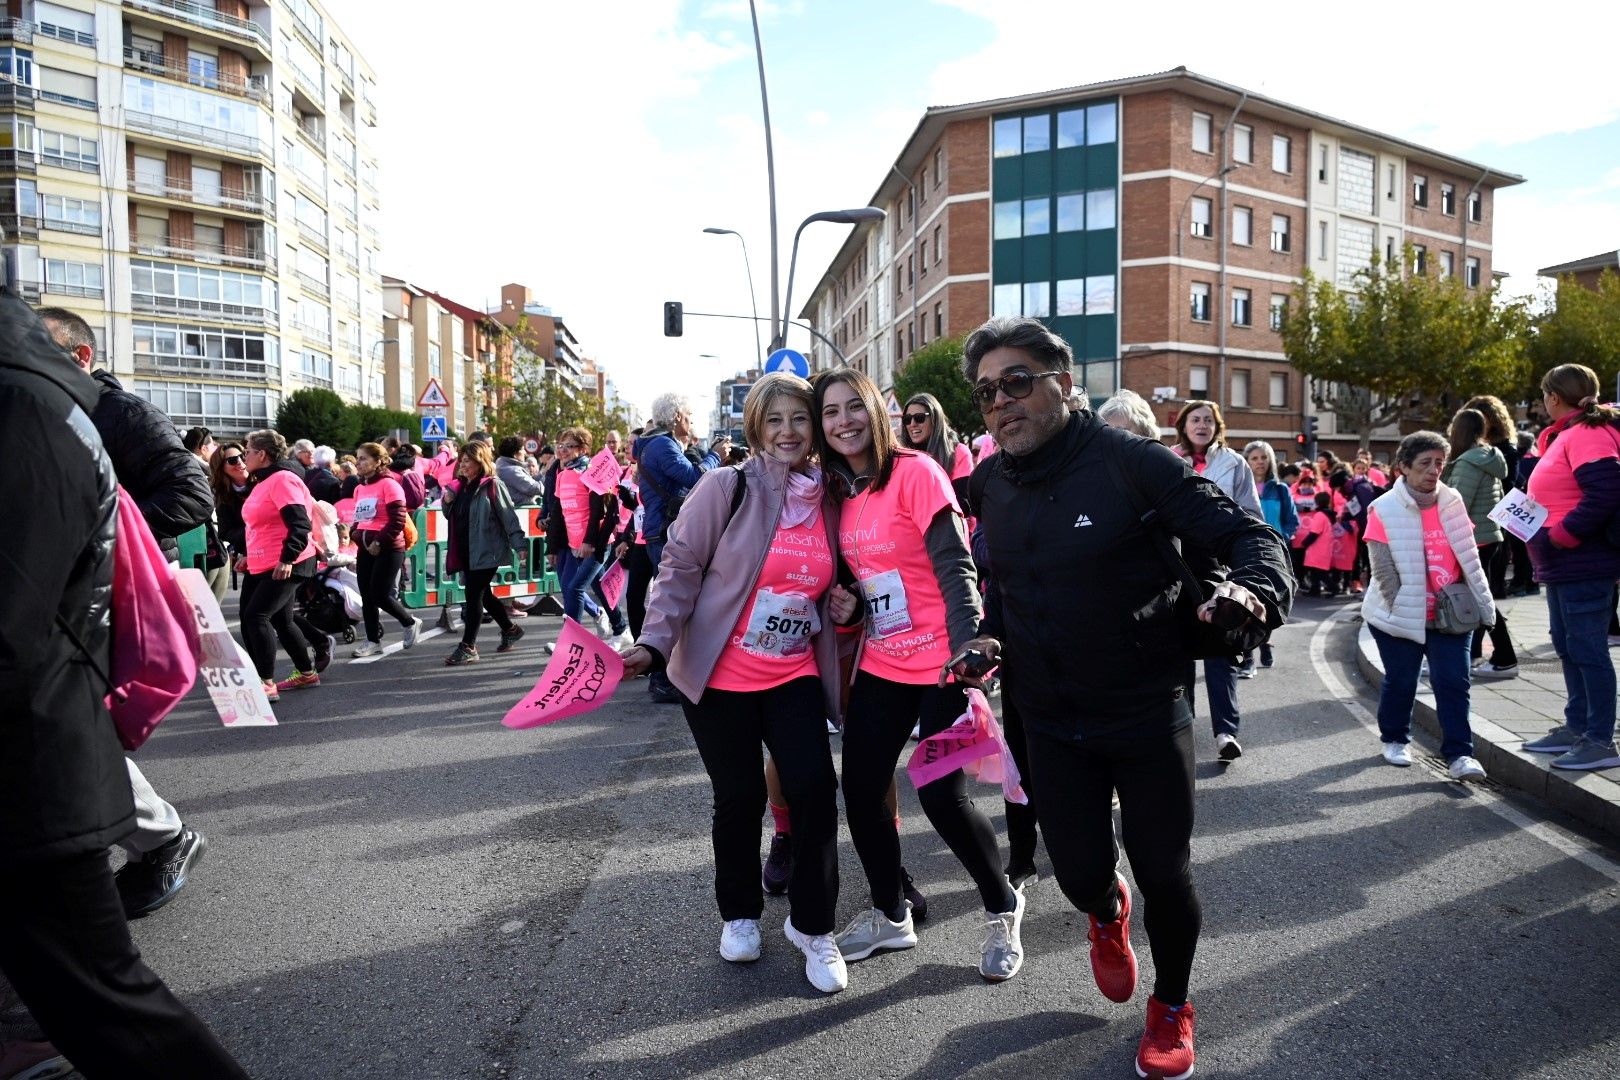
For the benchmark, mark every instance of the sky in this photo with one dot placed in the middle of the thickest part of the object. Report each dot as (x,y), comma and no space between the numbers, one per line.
(582,148)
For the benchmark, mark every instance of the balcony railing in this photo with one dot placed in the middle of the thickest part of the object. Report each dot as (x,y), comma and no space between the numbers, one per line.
(83,228)
(213,310)
(20,225)
(18,161)
(217,254)
(309,378)
(208,367)
(88,292)
(19,30)
(254,87)
(67,34)
(194,134)
(29,290)
(61,162)
(314,286)
(250,202)
(205,16)
(17,96)
(313,333)
(316,138)
(313,237)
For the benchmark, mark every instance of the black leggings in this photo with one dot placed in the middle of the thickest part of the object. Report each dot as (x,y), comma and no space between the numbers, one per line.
(878,724)
(640,570)
(476,586)
(1020,817)
(266,612)
(1154,778)
(379,587)
(1495,559)
(728,727)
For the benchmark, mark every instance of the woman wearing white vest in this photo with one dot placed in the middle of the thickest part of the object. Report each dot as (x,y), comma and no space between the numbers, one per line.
(1420,540)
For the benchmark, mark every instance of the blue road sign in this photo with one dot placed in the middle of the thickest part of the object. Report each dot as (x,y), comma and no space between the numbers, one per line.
(790,361)
(434,429)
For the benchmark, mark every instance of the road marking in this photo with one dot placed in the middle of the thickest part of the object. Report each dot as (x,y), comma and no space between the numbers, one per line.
(1561,839)
(389,650)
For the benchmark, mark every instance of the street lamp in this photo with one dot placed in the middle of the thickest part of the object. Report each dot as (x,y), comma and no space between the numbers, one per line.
(758,350)
(842,217)
(371,362)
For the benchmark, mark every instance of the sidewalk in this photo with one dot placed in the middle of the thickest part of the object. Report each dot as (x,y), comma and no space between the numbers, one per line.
(1505,712)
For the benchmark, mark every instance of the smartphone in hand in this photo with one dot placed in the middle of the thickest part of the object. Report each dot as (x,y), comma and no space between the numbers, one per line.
(970,663)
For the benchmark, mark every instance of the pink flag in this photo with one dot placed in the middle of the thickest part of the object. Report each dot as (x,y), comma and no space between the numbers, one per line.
(602,476)
(976,745)
(345,510)
(581,675)
(613,583)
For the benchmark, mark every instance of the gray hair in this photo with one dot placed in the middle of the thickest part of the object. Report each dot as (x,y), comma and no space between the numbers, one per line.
(1130,405)
(1005,332)
(324,456)
(666,407)
(1420,442)
(303,446)
(1271,456)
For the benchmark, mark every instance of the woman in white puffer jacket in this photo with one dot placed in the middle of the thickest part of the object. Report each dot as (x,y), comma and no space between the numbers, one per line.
(1419,540)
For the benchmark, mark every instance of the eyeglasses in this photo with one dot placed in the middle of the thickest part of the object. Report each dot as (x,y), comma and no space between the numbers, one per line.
(917,418)
(234,459)
(1016,386)
(570,446)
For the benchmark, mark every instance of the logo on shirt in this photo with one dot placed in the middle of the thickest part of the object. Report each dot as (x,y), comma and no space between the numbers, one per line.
(1082,521)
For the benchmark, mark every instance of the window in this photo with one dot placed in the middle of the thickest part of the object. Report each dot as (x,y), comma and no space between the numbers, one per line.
(1282,154)
(1448,200)
(435,364)
(1420,259)
(1279,312)
(19,65)
(1200,302)
(911,270)
(1322,162)
(1322,240)
(67,87)
(1100,209)
(72,215)
(1242,225)
(165,287)
(1240,389)
(1242,307)
(1071,296)
(1071,128)
(202,68)
(939,320)
(1100,295)
(151,174)
(1279,390)
(69,151)
(1101,124)
(315,367)
(208,239)
(1037,299)
(939,167)
(1280,240)
(1037,216)
(1420,190)
(1243,143)
(167,349)
(1037,134)
(922,246)
(72,278)
(1009,220)
(1007,137)
(1203,133)
(205,185)
(223,409)
(1008,300)
(1448,264)
(939,246)
(1471,270)
(150,230)
(65,24)
(1389,251)
(1071,213)
(1200,209)
(1389,185)
(1198,382)
(1475,210)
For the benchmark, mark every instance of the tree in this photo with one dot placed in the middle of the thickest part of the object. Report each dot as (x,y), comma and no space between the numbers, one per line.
(1580,326)
(372,422)
(538,402)
(317,415)
(936,369)
(1402,346)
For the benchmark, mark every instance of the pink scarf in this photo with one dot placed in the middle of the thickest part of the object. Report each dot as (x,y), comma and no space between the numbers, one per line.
(803,498)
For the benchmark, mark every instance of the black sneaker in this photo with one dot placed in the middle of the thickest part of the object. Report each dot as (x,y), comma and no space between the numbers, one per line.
(147,883)
(1266,659)
(1021,873)
(1245,670)
(509,639)
(919,902)
(463,653)
(323,655)
(661,690)
(778,865)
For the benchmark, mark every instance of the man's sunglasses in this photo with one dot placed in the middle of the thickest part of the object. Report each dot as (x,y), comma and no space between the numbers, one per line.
(1016,386)
(917,418)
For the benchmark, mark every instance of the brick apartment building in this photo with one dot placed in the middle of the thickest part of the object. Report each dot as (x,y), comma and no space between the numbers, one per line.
(1161,247)
(1585,272)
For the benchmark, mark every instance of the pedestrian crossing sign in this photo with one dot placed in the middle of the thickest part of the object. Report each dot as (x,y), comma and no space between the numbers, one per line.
(434,429)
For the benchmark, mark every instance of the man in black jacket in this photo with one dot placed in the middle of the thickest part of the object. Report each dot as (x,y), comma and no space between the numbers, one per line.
(171,487)
(1093,657)
(64,795)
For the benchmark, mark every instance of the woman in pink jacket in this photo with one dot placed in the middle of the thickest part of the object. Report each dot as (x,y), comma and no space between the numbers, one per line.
(756,550)
(1315,537)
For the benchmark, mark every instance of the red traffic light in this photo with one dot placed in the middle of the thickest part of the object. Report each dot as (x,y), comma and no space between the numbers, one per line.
(1300,440)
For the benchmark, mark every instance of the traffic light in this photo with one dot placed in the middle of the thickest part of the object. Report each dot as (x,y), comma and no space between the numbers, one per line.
(1301,442)
(1310,428)
(672,318)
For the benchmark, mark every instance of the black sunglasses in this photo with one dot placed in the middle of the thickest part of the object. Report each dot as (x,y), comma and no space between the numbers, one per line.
(917,418)
(1016,386)
(234,459)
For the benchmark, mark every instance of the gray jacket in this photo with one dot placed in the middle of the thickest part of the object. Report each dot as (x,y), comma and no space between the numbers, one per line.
(493,532)
(515,475)
(709,571)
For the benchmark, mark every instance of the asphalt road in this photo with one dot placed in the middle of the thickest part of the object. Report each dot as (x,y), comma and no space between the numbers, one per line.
(397,886)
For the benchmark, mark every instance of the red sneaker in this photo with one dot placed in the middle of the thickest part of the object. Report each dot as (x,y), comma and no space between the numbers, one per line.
(299,680)
(1166,1051)
(1113,962)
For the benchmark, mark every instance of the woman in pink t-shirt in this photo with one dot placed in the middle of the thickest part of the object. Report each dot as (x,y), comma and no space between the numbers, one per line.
(279,556)
(923,427)
(901,538)
(379,533)
(743,613)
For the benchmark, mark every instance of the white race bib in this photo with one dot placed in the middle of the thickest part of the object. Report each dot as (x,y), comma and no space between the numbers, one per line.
(886,611)
(365,509)
(1519,514)
(781,624)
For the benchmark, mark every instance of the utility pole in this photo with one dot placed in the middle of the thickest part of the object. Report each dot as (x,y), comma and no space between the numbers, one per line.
(770,180)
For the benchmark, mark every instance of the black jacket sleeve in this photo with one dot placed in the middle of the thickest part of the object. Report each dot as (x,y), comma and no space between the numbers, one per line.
(604,519)
(165,479)
(297,521)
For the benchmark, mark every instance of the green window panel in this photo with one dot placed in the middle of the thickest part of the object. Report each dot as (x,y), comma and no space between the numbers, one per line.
(1036,259)
(1007,262)
(1070,169)
(1101,249)
(1099,336)
(1069,255)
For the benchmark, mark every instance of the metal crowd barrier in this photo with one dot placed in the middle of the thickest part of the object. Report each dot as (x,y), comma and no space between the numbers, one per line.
(429,585)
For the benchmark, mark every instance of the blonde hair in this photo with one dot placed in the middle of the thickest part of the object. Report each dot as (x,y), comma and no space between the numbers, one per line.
(764,393)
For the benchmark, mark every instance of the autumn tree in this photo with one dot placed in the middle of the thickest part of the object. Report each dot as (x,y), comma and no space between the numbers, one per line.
(1579,326)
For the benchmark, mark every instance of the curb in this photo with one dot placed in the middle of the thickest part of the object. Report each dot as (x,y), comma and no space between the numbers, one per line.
(1497,749)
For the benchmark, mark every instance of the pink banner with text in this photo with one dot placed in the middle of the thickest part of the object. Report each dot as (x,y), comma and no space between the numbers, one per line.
(581,675)
(602,476)
(613,582)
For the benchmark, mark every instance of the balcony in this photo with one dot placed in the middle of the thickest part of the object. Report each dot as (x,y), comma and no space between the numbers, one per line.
(315,334)
(212,310)
(17,225)
(63,33)
(232,255)
(84,292)
(18,161)
(60,162)
(176,365)
(82,228)
(312,237)
(19,30)
(314,286)
(16,96)
(247,202)
(194,134)
(309,378)
(205,17)
(254,87)
(29,291)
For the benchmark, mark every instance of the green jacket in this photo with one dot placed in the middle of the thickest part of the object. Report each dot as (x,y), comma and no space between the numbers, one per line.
(1478,476)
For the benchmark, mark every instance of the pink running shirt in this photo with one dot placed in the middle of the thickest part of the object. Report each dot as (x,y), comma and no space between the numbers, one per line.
(261,513)
(575,499)
(372,500)
(1553,484)
(1444,569)
(772,641)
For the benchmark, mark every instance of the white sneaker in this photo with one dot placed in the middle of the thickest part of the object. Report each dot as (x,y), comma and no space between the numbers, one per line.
(739,941)
(1485,669)
(1227,747)
(823,963)
(871,931)
(1466,768)
(1003,952)
(1396,753)
(367,648)
(412,631)
(832,728)
(604,626)
(621,641)
(551,646)
(916,732)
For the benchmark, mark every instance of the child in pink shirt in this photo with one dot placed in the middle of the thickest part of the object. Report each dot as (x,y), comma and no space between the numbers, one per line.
(1315,538)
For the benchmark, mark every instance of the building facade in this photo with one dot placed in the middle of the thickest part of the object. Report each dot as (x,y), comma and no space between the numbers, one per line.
(1159,223)
(197,179)
(426,337)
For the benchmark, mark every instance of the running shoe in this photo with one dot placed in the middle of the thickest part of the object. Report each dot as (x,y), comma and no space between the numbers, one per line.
(270,691)
(620,641)
(739,941)
(463,653)
(1560,740)
(509,639)
(367,648)
(778,865)
(1396,753)
(1166,1050)
(604,626)
(147,883)
(1266,658)
(299,681)
(1227,748)
(1466,768)
(412,632)
(32,1061)
(823,963)
(1003,952)
(1021,875)
(914,897)
(871,931)
(1245,670)
(551,646)
(1588,754)
(323,655)
(1113,962)
(1484,669)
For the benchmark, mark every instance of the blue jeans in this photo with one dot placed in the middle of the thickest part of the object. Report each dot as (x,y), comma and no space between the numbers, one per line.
(1578,617)
(576,576)
(1220,680)
(1448,674)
